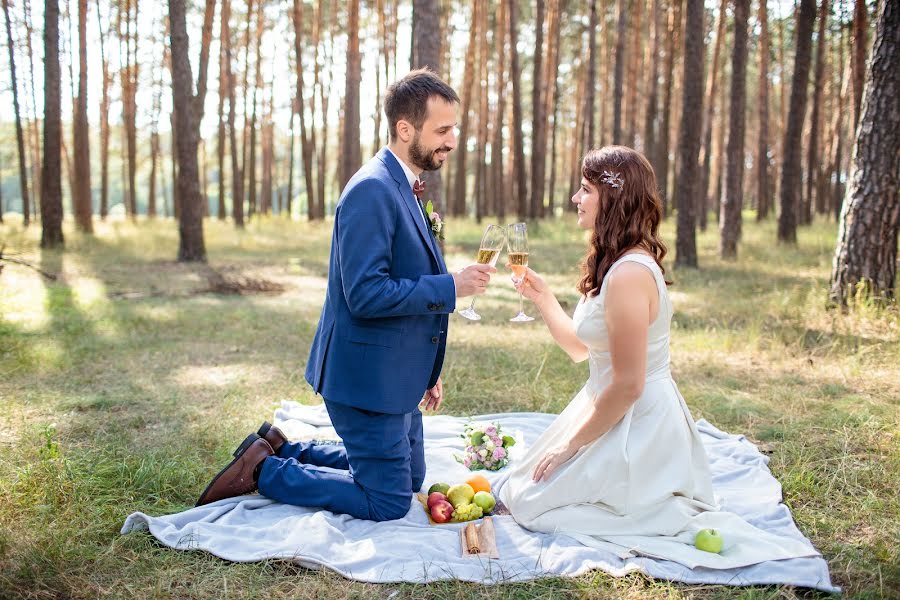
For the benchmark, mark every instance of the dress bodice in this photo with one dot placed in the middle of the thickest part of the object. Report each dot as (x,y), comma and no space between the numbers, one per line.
(591,329)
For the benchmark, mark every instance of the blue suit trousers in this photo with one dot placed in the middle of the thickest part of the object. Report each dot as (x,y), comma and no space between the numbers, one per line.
(371,475)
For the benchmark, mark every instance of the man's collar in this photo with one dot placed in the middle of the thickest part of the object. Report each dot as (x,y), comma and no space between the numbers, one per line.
(406,170)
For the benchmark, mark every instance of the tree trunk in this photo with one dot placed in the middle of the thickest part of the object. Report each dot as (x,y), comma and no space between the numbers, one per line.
(129,104)
(252,207)
(650,114)
(763,194)
(634,70)
(689,136)
(791,171)
(621,36)
(222,118)
(104,119)
(519,184)
(190,226)
(552,101)
(457,206)
(538,116)
(484,117)
(860,50)
(51,170)
(865,259)
(154,143)
(237,176)
(588,139)
(661,165)
(81,200)
(351,159)
(426,39)
(813,163)
(20,135)
(712,79)
(497,172)
(34,130)
(730,220)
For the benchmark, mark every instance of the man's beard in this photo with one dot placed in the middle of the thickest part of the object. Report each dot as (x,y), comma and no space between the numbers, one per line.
(422,157)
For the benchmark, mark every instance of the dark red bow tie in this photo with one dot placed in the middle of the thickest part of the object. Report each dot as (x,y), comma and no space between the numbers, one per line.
(418,188)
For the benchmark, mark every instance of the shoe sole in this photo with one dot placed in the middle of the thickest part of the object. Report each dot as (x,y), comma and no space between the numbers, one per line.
(237,455)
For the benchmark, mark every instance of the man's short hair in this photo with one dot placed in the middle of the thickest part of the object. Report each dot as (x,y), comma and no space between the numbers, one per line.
(407,98)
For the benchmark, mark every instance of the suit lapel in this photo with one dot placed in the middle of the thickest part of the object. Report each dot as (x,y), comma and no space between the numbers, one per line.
(412,205)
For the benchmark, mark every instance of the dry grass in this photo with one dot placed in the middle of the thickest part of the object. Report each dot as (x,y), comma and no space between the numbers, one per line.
(125,384)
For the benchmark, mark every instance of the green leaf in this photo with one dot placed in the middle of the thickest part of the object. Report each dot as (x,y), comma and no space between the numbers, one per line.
(508,441)
(429,208)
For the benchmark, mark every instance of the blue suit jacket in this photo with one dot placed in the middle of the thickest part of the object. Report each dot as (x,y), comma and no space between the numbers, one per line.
(381,337)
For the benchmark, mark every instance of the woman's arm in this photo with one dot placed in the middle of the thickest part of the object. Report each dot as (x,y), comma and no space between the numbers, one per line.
(629,298)
(558,322)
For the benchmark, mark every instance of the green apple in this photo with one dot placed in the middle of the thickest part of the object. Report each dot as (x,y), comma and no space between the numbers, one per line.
(461,493)
(439,487)
(709,540)
(485,500)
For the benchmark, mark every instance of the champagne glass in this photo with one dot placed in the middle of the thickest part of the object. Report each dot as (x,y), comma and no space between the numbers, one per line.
(517,254)
(488,251)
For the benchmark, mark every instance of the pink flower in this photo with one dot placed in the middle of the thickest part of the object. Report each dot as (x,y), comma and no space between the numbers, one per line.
(491,431)
(499,453)
(468,462)
(436,217)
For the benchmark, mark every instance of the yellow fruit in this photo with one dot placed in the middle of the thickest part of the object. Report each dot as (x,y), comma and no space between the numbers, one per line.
(480,483)
(460,494)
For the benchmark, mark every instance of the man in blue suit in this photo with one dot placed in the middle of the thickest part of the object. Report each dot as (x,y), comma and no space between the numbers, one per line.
(379,347)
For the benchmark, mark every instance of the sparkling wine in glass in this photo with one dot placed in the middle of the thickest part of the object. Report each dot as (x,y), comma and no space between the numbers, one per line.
(517,241)
(488,252)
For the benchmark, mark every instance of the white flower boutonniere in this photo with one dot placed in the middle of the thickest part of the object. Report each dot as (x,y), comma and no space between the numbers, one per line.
(437,225)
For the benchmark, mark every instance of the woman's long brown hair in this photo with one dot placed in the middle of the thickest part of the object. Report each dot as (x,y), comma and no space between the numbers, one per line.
(628,215)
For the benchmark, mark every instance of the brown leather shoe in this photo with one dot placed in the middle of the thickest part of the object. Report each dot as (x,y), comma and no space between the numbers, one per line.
(273,435)
(239,477)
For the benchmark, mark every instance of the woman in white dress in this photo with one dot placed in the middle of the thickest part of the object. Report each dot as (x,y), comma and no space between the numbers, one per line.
(623,466)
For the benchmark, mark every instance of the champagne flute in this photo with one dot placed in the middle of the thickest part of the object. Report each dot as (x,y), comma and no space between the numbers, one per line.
(517,254)
(488,251)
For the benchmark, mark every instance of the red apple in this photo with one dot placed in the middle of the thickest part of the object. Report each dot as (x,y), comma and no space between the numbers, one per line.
(442,511)
(434,498)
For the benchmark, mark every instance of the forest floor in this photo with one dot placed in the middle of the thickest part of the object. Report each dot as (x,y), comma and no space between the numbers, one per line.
(126,383)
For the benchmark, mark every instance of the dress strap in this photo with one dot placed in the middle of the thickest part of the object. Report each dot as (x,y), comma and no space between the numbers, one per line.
(638,257)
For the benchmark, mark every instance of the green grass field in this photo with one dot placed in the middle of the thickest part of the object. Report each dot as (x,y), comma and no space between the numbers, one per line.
(126,383)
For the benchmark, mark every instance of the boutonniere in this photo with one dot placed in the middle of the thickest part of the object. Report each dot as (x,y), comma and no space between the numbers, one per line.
(437,225)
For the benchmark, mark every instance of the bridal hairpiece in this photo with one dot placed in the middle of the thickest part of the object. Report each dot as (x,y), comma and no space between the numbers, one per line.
(613,179)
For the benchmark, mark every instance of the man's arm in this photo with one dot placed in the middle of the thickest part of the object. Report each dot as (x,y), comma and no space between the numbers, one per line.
(365,229)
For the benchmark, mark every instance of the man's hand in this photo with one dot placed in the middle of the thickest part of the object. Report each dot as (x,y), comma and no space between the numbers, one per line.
(472,280)
(433,397)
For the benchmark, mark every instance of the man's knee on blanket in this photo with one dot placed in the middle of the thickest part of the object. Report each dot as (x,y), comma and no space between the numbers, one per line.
(389,509)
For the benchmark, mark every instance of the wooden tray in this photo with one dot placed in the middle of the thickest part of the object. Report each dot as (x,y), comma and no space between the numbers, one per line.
(499,510)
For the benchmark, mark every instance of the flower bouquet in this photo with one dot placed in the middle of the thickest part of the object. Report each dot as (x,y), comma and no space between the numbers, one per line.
(486,447)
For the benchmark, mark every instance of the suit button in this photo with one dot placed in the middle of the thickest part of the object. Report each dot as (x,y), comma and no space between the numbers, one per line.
(435,340)
(432,307)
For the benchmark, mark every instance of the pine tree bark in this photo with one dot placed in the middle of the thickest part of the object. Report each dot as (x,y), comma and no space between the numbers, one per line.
(426,38)
(458,205)
(520,184)
(538,117)
(651,111)
(222,118)
(237,175)
(130,75)
(689,136)
(763,194)
(20,134)
(351,159)
(712,80)
(730,219)
(621,37)
(551,105)
(82,201)
(252,207)
(634,70)
(865,258)
(814,162)
(497,171)
(791,171)
(104,119)
(34,129)
(661,166)
(860,51)
(190,226)
(484,117)
(51,170)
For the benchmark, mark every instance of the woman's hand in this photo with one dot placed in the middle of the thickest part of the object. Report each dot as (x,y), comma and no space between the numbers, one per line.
(552,461)
(532,286)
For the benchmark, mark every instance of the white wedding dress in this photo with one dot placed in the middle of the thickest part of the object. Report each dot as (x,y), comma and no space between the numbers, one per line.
(644,487)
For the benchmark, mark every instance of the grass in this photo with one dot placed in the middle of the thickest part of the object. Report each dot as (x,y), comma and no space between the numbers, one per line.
(124,386)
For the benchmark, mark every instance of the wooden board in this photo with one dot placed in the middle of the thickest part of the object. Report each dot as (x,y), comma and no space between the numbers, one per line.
(487,542)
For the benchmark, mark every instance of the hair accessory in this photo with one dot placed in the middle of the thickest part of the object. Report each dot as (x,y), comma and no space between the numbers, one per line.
(613,179)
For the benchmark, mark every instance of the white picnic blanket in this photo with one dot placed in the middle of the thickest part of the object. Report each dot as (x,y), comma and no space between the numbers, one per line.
(252,528)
